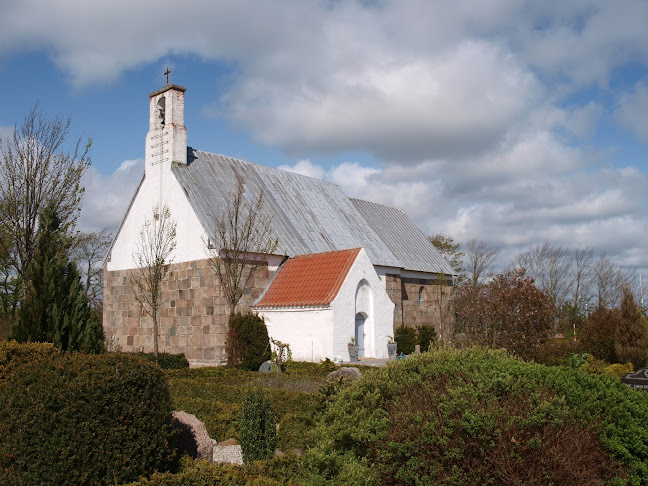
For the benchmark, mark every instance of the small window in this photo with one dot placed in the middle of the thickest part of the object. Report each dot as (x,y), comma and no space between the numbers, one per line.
(421,296)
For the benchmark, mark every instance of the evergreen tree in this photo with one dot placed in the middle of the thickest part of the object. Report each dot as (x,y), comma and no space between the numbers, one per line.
(631,337)
(55,307)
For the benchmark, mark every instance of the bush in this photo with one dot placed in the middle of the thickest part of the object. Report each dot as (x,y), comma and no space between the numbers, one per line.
(258,429)
(482,417)
(248,344)
(13,354)
(168,361)
(598,335)
(74,419)
(426,335)
(405,338)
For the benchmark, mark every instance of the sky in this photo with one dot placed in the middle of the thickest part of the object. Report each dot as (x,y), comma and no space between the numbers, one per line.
(514,122)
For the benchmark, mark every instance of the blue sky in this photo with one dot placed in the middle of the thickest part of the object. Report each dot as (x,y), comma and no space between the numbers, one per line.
(515,122)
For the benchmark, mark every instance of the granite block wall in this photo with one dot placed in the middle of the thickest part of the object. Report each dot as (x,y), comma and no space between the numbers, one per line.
(192,315)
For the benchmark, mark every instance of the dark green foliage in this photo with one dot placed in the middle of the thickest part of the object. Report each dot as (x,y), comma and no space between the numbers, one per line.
(248,344)
(168,361)
(426,334)
(14,354)
(258,429)
(598,335)
(631,336)
(482,417)
(55,306)
(74,418)
(406,339)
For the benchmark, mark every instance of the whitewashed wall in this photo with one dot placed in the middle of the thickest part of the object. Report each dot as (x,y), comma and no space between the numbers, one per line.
(308,331)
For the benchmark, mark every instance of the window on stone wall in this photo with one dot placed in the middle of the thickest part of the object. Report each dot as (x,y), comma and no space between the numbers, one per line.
(421,296)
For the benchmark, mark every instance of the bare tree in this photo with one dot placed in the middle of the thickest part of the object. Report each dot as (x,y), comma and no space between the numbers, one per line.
(243,242)
(550,266)
(608,282)
(89,250)
(583,277)
(152,256)
(37,171)
(481,259)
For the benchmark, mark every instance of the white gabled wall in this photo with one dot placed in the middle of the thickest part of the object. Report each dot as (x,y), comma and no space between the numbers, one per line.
(166,144)
(380,322)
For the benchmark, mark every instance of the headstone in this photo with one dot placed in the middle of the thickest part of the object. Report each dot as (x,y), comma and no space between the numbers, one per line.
(266,367)
(417,349)
(337,359)
(638,379)
(347,373)
(192,438)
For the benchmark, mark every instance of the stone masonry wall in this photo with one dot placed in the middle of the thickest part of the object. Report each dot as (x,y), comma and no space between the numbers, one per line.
(192,316)
(434,310)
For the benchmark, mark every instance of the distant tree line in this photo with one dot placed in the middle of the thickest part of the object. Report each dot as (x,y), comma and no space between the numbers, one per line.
(547,290)
(50,280)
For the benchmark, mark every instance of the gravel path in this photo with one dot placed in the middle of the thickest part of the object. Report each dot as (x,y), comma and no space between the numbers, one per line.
(231,454)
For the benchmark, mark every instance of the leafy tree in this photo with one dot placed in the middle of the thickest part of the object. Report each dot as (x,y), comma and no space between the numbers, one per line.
(631,336)
(55,307)
(89,251)
(37,171)
(509,312)
(450,250)
(248,343)
(153,256)
(244,240)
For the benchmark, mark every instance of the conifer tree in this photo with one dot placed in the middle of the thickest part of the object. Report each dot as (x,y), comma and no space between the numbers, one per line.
(631,337)
(55,307)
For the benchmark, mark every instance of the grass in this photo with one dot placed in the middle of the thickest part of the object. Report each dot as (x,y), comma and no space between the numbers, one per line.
(214,395)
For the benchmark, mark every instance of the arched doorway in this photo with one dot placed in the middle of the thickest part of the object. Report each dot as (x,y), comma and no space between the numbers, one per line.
(360,333)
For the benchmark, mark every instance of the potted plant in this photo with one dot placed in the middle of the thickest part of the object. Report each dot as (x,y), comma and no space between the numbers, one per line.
(353,350)
(391,348)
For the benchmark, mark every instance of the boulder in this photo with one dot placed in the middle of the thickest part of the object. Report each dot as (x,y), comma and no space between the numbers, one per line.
(192,438)
(347,373)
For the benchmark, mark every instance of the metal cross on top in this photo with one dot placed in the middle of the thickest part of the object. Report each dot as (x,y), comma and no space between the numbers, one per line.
(167,74)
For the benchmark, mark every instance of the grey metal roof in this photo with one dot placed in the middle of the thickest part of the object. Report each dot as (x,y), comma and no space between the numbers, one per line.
(308,215)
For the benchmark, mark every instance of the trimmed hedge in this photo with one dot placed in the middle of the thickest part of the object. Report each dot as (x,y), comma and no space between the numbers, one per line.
(168,361)
(13,354)
(482,417)
(248,344)
(406,339)
(426,334)
(74,419)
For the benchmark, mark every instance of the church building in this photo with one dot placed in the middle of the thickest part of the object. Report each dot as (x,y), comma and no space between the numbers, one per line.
(344,268)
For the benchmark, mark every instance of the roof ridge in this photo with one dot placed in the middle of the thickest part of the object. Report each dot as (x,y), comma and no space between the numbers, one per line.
(377,204)
(264,166)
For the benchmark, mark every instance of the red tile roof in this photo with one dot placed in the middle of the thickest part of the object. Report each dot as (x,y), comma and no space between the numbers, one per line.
(313,279)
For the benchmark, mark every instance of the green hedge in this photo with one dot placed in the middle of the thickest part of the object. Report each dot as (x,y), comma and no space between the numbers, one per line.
(248,344)
(406,339)
(13,354)
(481,417)
(73,419)
(168,361)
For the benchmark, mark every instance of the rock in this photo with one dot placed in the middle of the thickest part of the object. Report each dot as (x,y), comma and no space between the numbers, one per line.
(417,349)
(192,438)
(347,373)
(298,452)
(229,442)
(278,453)
(266,367)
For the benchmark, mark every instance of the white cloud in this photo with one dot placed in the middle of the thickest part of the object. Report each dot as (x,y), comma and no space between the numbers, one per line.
(106,198)
(632,111)
(305,167)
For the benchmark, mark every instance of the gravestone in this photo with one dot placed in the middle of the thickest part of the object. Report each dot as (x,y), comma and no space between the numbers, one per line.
(192,437)
(266,367)
(638,379)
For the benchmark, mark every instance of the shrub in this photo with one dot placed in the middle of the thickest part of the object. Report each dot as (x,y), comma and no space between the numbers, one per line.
(598,335)
(426,335)
(74,419)
(14,354)
(405,338)
(482,417)
(258,429)
(168,361)
(248,344)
